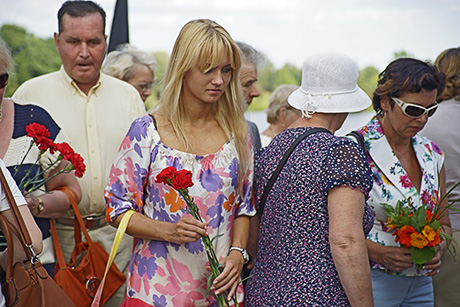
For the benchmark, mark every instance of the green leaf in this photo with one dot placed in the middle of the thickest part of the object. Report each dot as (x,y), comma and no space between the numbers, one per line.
(218,236)
(435,225)
(208,285)
(422,255)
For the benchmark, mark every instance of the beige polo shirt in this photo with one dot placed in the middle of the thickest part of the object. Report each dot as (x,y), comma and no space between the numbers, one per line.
(95,124)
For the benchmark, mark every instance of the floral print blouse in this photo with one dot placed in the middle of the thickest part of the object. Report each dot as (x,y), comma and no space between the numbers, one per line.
(391,182)
(163,273)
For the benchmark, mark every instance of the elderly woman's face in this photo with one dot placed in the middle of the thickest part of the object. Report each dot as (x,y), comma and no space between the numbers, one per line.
(142,80)
(402,124)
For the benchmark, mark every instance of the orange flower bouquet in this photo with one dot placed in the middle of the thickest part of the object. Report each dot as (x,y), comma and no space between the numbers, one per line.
(418,228)
(181,180)
(34,180)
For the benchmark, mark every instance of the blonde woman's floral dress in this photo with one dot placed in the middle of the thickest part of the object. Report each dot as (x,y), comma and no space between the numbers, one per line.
(391,182)
(163,273)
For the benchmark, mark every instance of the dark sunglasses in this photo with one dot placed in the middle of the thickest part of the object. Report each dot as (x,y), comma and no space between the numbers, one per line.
(414,110)
(3,80)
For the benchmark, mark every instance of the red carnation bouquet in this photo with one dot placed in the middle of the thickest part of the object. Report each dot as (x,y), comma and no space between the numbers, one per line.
(181,180)
(40,137)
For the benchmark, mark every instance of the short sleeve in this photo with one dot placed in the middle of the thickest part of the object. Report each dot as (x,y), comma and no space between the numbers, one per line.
(129,171)
(4,205)
(345,165)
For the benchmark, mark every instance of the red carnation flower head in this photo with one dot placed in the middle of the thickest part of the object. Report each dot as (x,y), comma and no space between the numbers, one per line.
(44,143)
(79,165)
(182,180)
(167,173)
(36,131)
(65,150)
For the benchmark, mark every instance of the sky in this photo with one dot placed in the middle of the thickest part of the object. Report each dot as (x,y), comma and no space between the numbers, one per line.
(286,31)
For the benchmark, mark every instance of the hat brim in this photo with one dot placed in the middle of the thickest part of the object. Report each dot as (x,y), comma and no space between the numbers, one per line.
(335,103)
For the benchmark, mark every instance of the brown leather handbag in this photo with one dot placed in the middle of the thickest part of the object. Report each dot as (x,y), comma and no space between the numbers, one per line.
(81,279)
(26,282)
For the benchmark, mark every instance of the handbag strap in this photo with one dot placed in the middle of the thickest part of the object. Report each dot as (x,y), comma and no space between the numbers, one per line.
(57,246)
(6,228)
(116,243)
(78,224)
(23,231)
(359,139)
(280,166)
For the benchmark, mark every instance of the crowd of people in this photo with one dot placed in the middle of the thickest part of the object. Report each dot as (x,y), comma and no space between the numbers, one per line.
(297,215)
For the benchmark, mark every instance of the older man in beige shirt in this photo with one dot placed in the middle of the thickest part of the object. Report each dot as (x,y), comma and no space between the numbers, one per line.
(95,111)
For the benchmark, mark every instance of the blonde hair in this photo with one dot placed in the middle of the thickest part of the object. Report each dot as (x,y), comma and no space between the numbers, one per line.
(448,62)
(204,44)
(121,63)
(278,100)
(6,57)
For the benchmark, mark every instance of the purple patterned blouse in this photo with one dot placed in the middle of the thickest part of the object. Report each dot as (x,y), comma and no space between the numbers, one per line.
(294,265)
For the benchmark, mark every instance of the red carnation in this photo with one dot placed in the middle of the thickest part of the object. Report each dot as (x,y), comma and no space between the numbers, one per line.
(44,144)
(35,130)
(167,173)
(65,150)
(182,180)
(78,164)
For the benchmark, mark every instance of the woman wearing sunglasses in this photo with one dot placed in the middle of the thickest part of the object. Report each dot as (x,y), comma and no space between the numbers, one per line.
(47,202)
(407,168)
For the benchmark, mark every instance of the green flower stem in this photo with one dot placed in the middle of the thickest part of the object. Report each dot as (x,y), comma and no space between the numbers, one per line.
(16,169)
(216,268)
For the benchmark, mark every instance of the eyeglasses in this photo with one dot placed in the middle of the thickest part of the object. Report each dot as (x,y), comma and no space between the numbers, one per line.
(3,80)
(413,110)
(143,87)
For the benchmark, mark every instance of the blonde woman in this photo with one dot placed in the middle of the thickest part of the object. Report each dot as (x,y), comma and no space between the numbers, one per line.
(199,126)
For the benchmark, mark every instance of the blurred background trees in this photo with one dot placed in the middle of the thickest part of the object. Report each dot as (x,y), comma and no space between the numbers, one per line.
(36,56)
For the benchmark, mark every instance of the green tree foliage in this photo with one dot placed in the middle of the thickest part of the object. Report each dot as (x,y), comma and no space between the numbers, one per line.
(402,54)
(33,56)
(367,79)
(162,59)
(270,78)
(266,77)
(288,74)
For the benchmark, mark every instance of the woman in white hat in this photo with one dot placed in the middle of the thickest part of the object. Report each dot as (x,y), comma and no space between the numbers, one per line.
(406,167)
(312,239)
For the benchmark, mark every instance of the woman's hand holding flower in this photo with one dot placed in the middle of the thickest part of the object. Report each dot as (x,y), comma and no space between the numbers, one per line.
(395,258)
(187,229)
(434,264)
(229,279)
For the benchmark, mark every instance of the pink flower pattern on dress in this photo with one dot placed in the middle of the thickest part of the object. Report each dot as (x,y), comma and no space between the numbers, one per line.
(405,181)
(163,273)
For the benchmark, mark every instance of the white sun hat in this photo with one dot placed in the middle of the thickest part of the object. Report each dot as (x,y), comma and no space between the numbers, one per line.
(329,85)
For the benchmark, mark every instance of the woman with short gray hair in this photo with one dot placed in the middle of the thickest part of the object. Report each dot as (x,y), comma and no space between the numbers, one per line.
(133,66)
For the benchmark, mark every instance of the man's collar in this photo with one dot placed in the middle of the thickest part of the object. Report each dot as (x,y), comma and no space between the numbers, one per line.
(68,80)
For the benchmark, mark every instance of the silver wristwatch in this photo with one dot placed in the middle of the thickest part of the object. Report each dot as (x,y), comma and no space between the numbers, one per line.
(242,251)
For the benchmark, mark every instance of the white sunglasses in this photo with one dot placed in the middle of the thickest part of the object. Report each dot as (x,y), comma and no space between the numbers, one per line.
(414,110)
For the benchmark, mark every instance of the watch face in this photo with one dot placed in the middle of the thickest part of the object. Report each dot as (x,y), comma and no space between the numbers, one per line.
(245,255)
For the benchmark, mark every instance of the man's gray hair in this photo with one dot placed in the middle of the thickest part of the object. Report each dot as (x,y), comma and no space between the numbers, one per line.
(250,55)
